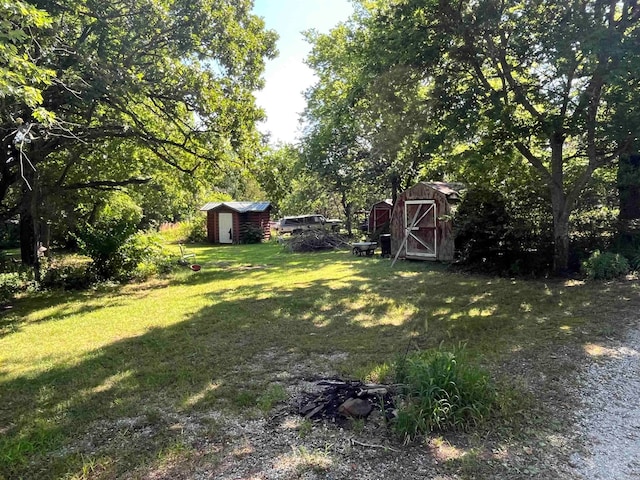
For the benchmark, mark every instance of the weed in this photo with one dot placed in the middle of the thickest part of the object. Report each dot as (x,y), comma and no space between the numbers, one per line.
(357,425)
(305,428)
(441,391)
(244,399)
(273,395)
(605,266)
(311,461)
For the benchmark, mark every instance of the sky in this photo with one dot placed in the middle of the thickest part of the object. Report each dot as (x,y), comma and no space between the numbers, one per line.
(287,77)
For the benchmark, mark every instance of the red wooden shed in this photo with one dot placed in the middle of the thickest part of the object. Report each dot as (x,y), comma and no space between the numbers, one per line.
(379,215)
(229,222)
(421,227)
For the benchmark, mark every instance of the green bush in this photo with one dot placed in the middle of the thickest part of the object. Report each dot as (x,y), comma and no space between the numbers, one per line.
(77,276)
(605,266)
(488,238)
(197,232)
(186,231)
(144,256)
(440,391)
(252,234)
(10,284)
(103,243)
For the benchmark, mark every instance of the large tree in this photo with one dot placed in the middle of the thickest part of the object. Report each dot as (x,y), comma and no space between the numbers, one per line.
(361,131)
(555,80)
(171,78)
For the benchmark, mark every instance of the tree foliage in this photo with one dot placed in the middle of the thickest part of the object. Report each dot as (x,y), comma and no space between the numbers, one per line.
(554,82)
(109,94)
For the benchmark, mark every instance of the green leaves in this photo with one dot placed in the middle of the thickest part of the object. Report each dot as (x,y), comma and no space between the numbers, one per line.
(21,76)
(120,92)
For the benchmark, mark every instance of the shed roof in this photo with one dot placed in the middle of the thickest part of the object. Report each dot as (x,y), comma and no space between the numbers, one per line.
(450,190)
(240,207)
(387,202)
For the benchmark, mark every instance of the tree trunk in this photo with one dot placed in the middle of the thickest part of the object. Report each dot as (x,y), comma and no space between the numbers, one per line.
(560,244)
(27,234)
(346,207)
(395,188)
(30,223)
(560,208)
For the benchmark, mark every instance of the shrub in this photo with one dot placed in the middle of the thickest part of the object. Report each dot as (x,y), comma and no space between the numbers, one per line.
(627,243)
(120,254)
(73,276)
(252,234)
(489,239)
(144,256)
(10,284)
(103,243)
(197,232)
(605,266)
(440,391)
(187,231)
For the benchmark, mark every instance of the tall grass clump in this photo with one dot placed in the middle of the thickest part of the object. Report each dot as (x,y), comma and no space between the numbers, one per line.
(605,266)
(441,391)
(187,231)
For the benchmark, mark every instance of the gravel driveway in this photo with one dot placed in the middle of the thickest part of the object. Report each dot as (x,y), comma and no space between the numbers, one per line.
(609,421)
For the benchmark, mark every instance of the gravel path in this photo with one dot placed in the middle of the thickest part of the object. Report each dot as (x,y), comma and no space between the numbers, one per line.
(609,422)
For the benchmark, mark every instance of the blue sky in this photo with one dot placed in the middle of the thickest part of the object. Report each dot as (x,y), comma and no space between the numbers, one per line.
(287,77)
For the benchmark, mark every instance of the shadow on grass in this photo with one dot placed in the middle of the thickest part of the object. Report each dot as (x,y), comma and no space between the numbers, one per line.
(133,391)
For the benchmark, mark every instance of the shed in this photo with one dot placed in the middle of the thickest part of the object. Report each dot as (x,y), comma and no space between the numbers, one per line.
(379,216)
(421,226)
(230,222)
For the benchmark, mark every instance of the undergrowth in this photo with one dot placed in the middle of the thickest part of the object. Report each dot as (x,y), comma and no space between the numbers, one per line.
(441,391)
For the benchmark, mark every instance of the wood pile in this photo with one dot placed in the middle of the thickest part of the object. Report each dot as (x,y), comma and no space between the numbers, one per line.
(338,401)
(316,240)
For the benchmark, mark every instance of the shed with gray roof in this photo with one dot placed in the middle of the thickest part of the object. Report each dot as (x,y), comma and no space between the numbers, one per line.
(237,222)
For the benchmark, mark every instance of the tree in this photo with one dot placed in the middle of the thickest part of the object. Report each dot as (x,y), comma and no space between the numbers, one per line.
(276,172)
(555,80)
(172,78)
(361,142)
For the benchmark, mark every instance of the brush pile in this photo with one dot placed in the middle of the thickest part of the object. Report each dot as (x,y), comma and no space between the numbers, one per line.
(316,240)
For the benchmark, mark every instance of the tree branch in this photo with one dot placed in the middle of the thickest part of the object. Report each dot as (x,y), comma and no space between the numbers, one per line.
(107,184)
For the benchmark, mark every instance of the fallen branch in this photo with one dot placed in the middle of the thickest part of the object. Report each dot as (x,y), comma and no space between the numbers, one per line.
(353,441)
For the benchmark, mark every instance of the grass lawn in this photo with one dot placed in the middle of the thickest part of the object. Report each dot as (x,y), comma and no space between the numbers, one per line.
(98,384)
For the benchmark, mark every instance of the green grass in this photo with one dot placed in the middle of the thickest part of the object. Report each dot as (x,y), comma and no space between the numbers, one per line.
(101,364)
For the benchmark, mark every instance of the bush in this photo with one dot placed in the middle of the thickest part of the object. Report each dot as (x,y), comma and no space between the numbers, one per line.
(605,266)
(197,232)
(144,256)
(252,234)
(10,284)
(489,239)
(68,275)
(440,391)
(120,254)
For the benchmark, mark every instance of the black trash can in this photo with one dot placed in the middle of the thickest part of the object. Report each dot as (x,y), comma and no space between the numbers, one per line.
(385,244)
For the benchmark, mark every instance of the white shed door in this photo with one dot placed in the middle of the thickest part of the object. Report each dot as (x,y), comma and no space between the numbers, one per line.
(420,224)
(225,227)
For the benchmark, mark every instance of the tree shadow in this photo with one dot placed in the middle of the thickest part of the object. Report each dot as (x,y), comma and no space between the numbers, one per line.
(135,390)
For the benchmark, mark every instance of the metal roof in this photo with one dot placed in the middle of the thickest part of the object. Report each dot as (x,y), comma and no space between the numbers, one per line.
(449,189)
(240,207)
(387,201)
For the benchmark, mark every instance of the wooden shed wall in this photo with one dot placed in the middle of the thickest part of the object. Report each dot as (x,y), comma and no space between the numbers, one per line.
(379,214)
(257,219)
(443,227)
(240,223)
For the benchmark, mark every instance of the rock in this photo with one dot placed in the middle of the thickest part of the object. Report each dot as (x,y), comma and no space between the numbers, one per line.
(355,407)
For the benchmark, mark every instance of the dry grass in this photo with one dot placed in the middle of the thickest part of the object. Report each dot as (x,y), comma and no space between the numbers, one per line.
(168,378)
